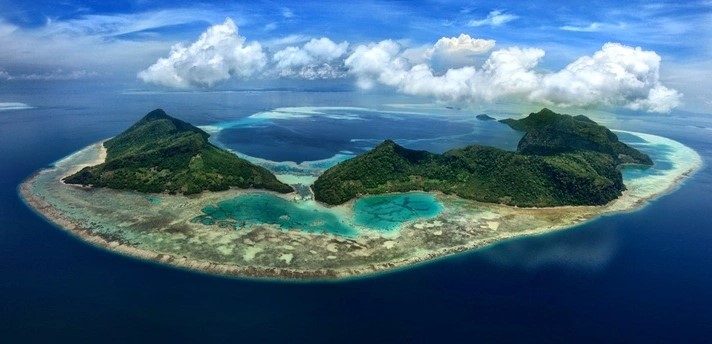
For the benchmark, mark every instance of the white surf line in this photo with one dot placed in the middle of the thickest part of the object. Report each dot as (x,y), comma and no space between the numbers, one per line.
(9,106)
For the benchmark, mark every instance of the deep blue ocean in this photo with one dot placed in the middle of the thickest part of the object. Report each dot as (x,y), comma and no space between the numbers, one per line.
(639,277)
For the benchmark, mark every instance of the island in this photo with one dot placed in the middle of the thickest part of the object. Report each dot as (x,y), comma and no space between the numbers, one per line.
(561,160)
(485,117)
(164,154)
(163,192)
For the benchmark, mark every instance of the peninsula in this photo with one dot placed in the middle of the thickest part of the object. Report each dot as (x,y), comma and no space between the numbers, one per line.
(561,160)
(203,208)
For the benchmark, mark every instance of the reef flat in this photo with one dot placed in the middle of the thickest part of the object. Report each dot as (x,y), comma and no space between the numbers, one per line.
(160,227)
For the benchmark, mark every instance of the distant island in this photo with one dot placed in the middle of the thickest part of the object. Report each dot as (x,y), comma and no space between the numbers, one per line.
(485,117)
(161,191)
(164,154)
(549,133)
(561,160)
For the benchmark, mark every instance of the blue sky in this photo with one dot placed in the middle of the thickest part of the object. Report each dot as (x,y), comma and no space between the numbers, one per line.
(119,40)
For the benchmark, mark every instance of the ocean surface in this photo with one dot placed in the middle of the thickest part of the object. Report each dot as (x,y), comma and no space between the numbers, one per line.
(644,276)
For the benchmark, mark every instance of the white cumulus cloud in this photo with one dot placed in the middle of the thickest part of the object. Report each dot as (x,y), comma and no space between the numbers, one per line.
(455,52)
(452,69)
(291,56)
(616,75)
(380,62)
(455,85)
(219,54)
(462,44)
(508,73)
(316,59)
(324,48)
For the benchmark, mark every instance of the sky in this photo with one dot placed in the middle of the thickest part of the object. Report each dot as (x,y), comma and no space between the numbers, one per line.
(646,56)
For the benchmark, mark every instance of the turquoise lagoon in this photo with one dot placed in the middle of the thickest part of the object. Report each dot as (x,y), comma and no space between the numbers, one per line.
(661,153)
(385,213)
(388,212)
(260,208)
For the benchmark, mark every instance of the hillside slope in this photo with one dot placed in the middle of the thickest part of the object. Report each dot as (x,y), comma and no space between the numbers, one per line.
(562,160)
(164,154)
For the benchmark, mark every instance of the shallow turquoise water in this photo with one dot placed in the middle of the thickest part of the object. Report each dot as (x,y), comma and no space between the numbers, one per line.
(263,208)
(387,212)
(660,153)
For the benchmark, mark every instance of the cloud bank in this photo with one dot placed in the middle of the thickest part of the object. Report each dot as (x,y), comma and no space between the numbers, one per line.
(614,76)
(317,59)
(219,54)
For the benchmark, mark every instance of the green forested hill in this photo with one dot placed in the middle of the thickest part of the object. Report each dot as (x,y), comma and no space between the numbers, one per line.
(161,153)
(550,133)
(558,176)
